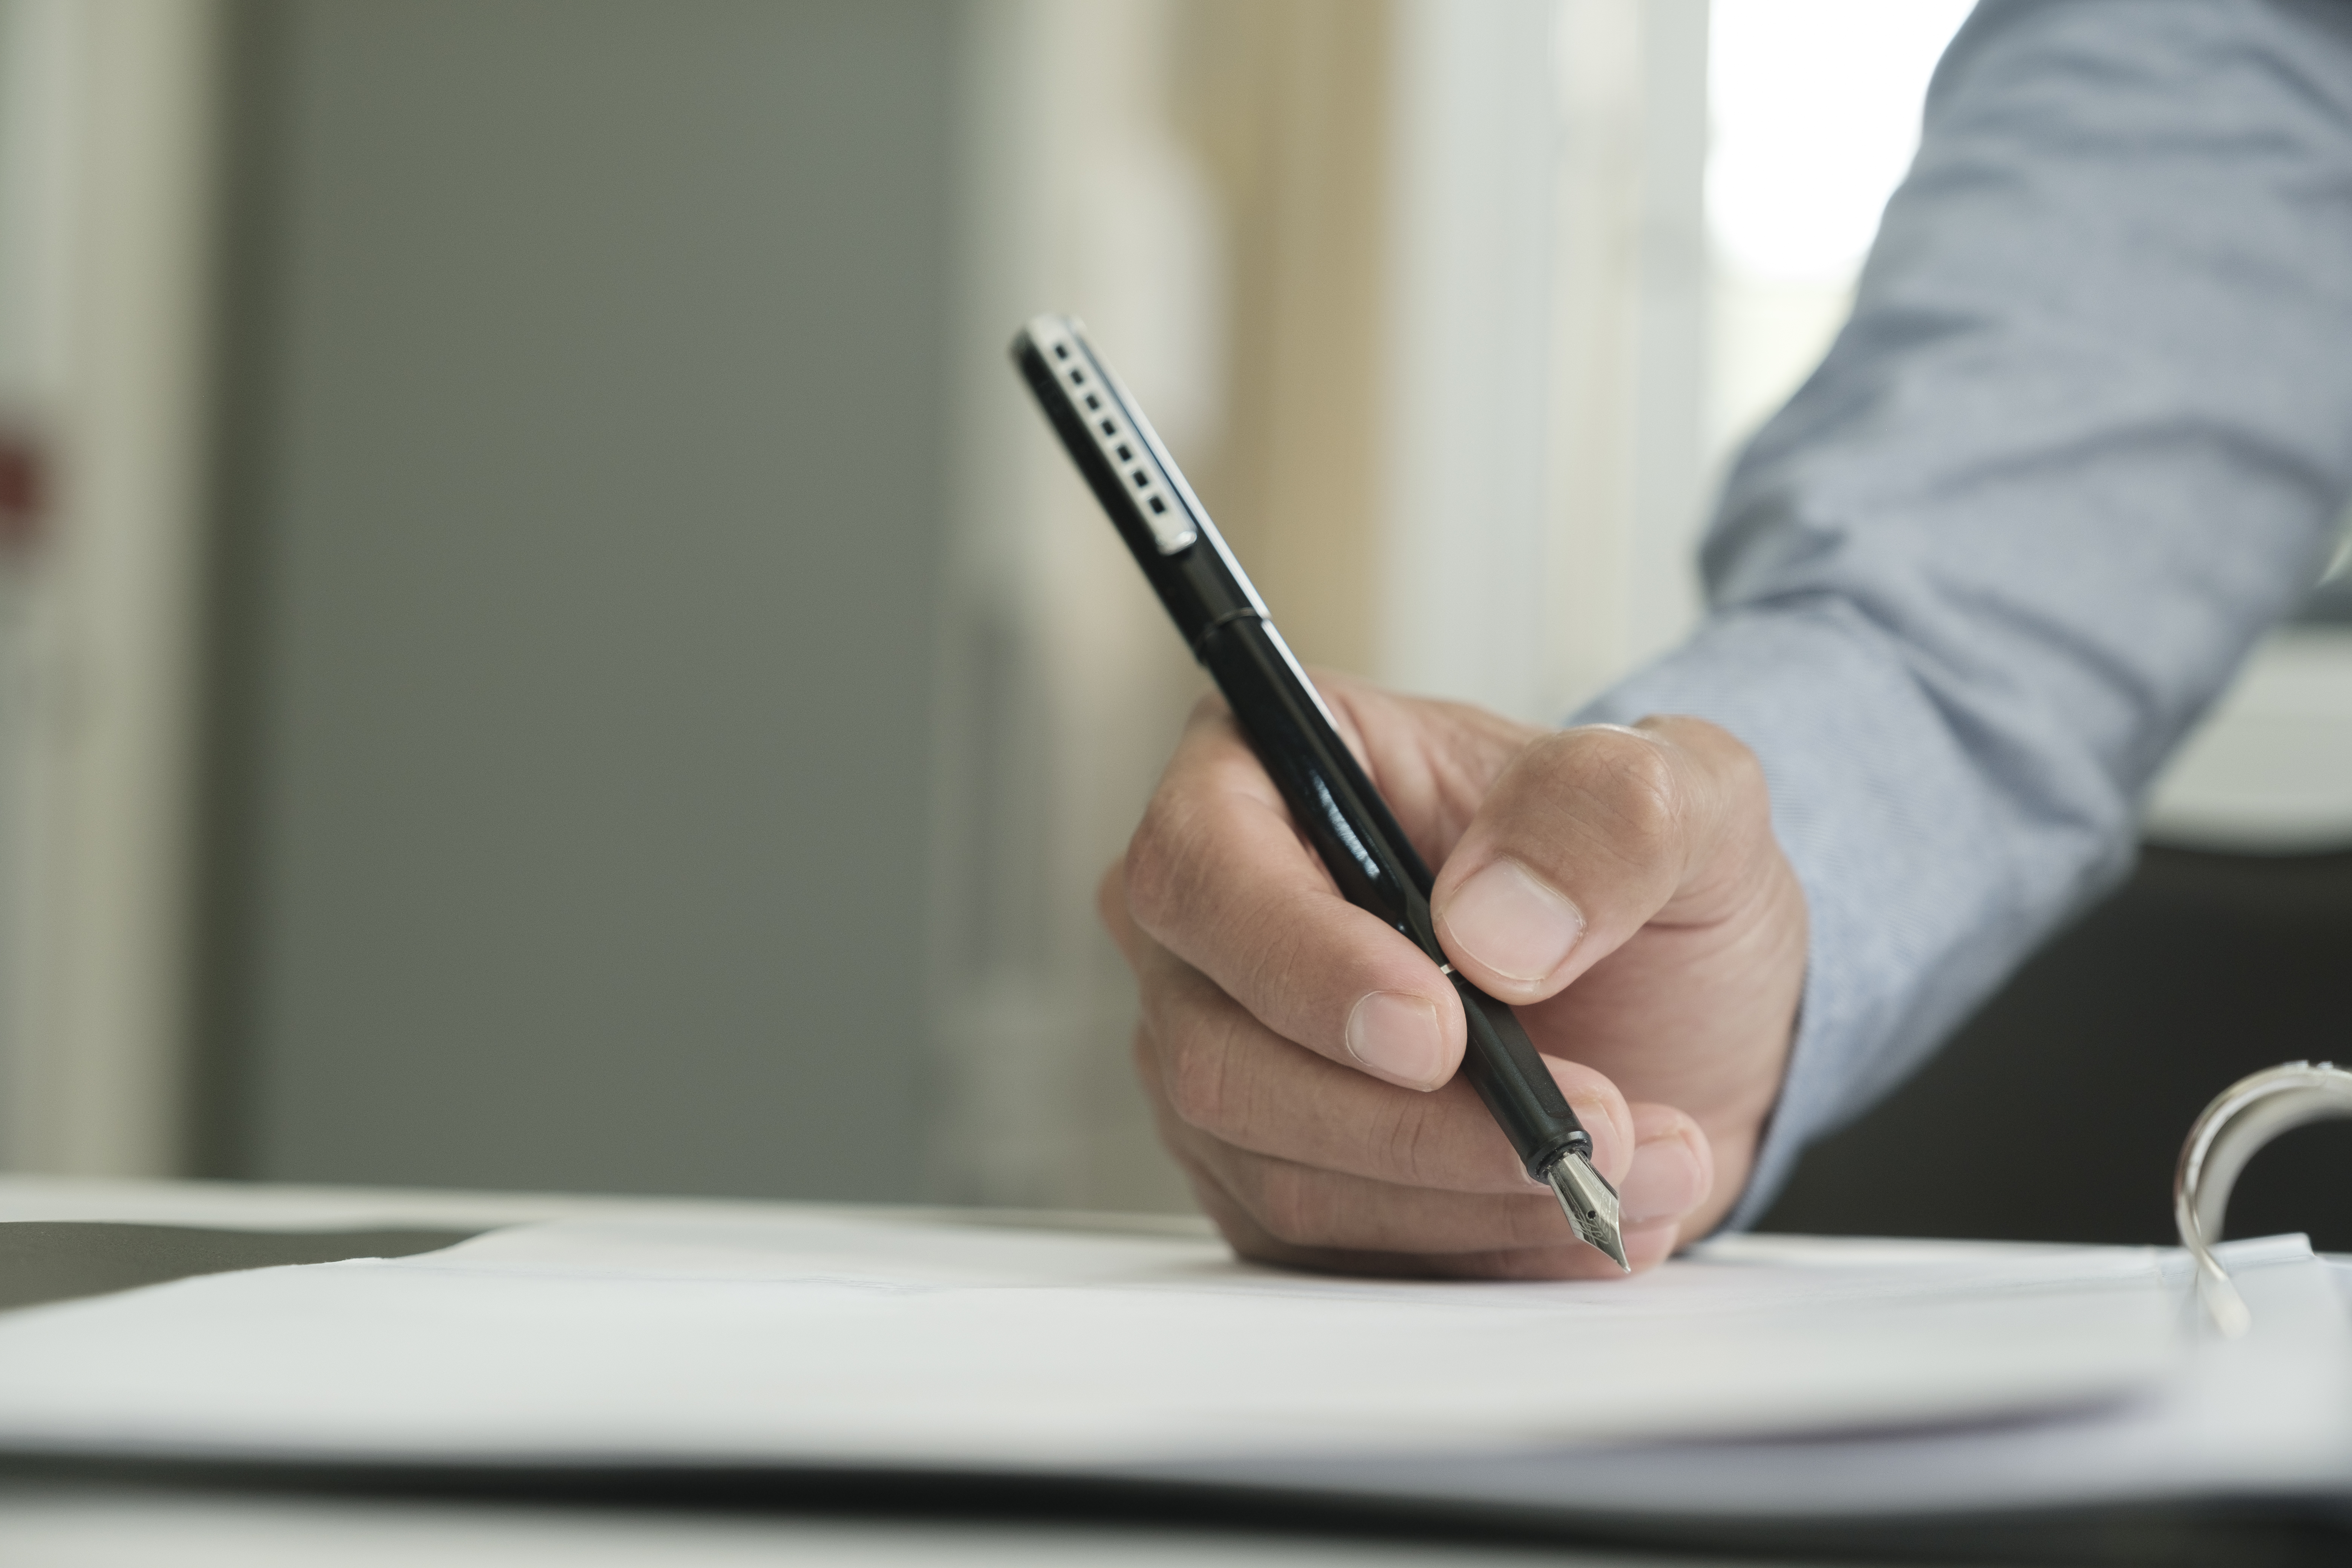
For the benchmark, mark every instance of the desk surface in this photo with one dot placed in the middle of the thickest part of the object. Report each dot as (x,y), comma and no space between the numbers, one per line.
(300,1207)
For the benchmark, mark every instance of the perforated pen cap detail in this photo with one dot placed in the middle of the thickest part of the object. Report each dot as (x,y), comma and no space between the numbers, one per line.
(1119,432)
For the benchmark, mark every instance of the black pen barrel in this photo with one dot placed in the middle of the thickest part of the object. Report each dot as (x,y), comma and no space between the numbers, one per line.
(1378,870)
(1504,1066)
(1333,803)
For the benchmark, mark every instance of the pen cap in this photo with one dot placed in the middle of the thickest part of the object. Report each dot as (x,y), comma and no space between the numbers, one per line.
(1138,484)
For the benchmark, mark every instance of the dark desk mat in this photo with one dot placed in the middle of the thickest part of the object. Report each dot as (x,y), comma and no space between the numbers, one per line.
(2250,1533)
(59,1260)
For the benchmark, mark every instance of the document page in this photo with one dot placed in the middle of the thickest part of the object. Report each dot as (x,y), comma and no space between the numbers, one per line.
(841,1340)
(2262,1418)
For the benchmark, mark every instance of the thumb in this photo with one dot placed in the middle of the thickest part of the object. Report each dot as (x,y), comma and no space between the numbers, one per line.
(1588,836)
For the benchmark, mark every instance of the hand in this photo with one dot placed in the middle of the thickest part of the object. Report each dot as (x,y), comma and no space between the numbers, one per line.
(1621,888)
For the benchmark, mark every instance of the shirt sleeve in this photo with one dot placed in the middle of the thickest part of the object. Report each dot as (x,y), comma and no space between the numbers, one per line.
(2086,435)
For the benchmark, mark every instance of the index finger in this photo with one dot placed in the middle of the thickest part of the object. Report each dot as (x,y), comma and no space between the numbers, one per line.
(1218,876)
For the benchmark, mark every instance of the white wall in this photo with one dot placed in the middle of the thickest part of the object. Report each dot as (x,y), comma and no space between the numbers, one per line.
(1062,683)
(1464,603)
(1550,339)
(105,119)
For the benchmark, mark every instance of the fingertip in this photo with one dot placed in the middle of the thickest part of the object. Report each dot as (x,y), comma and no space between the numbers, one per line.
(1654,1122)
(1397,1036)
(1647,1246)
(1508,930)
(1602,1108)
(1673,1167)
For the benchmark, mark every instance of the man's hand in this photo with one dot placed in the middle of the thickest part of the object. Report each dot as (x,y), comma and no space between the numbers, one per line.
(1621,888)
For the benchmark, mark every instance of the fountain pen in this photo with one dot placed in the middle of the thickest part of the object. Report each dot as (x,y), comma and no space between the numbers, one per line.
(1279,709)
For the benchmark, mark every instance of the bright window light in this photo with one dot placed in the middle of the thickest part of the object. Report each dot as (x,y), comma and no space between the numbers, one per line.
(1815,105)
(1813,110)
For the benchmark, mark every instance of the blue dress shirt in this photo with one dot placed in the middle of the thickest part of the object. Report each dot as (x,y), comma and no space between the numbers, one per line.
(2086,435)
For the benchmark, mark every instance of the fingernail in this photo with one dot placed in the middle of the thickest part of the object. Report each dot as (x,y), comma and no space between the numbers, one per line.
(1512,923)
(1665,1182)
(1397,1035)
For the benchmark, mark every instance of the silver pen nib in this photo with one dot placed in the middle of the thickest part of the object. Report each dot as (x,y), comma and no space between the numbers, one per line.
(1591,1204)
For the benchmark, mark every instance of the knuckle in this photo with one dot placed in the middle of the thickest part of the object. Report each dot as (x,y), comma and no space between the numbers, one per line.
(1279,950)
(1207,706)
(1630,780)
(1744,785)
(1721,750)
(1151,869)
(1292,1205)
(1412,1141)
(1196,1069)
(1730,766)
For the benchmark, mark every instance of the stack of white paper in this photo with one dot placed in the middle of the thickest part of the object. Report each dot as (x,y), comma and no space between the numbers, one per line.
(1738,1379)
(2263,1418)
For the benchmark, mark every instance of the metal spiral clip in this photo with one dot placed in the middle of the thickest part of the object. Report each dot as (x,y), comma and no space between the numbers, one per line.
(2240,1120)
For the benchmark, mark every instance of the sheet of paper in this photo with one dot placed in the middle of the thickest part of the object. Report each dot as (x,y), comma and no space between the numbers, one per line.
(778,1337)
(2265,1418)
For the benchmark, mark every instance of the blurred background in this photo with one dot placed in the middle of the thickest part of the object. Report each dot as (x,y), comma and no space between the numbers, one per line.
(541,646)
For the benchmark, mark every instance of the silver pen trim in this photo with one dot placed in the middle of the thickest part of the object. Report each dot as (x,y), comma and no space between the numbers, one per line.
(1119,431)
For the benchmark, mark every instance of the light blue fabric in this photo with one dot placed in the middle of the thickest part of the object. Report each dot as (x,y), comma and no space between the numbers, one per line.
(2085,437)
